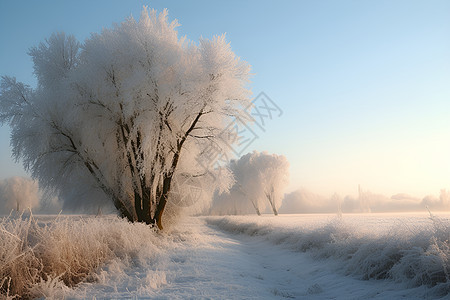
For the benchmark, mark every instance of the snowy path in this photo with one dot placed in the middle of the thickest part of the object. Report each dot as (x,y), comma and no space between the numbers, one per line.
(211,264)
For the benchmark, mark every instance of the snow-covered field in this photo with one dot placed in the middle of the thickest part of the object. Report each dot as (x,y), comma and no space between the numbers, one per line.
(388,256)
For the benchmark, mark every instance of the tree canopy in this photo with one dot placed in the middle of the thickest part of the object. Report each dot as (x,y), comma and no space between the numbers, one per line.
(126,113)
(260,182)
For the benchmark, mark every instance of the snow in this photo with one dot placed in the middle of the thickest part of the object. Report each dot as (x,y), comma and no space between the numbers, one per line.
(211,263)
(266,257)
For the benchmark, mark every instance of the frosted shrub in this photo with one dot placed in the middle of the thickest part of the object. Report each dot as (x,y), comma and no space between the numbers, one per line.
(430,263)
(41,260)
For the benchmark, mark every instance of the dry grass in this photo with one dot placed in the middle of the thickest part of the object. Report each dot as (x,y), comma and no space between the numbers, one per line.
(38,259)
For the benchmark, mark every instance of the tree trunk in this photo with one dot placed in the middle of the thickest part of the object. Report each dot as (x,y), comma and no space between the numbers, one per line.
(257,211)
(255,207)
(275,212)
(123,211)
(142,207)
(270,197)
(162,201)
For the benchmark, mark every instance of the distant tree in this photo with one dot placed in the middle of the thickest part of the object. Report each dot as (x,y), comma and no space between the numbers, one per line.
(128,112)
(335,198)
(248,183)
(303,201)
(364,200)
(275,177)
(444,198)
(18,193)
(261,178)
(434,203)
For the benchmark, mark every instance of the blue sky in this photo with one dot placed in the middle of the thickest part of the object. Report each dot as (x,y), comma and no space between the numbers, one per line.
(363,85)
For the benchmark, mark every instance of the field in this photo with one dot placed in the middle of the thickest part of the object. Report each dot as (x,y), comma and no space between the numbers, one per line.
(234,257)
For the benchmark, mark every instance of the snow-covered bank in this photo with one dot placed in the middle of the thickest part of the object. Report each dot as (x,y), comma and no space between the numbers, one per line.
(209,264)
(412,250)
(83,257)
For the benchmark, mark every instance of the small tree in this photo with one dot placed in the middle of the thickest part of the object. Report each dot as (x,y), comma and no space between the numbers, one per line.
(126,112)
(274,174)
(18,193)
(261,179)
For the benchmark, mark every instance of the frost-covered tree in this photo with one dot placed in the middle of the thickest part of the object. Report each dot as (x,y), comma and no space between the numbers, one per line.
(249,181)
(271,173)
(18,193)
(364,199)
(127,112)
(260,179)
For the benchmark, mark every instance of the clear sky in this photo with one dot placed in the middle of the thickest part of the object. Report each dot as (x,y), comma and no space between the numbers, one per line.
(364,85)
